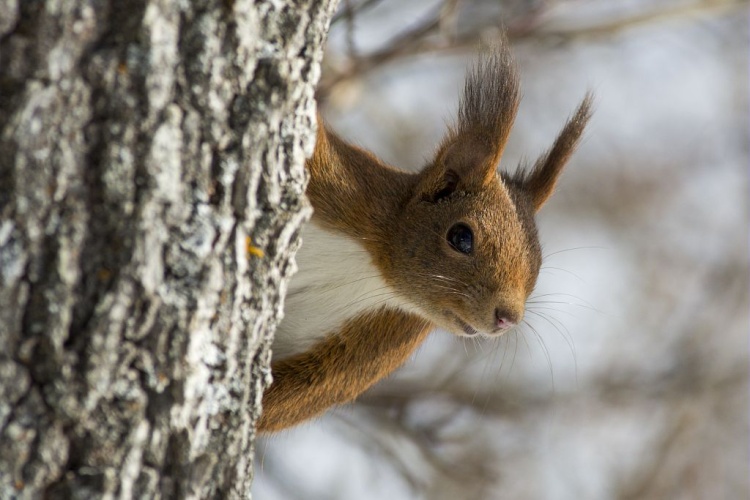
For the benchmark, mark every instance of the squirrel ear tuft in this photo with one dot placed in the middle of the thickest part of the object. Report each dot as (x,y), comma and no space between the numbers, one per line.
(540,182)
(473,146)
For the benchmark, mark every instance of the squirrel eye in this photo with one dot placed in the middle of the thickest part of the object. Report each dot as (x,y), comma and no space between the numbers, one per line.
(461,238)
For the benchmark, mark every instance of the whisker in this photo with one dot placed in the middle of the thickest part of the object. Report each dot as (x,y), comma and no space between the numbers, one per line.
(490,359)
(525,341)
(465,349)
(369,295)
(561,294)
(515,349)
(546,352)
(443,278)
(582,306)
(363,278)
(537,307)
(547,256)
(567,337)
(550,268)
(452,290)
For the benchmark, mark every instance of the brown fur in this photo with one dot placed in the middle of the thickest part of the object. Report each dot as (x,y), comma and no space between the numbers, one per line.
(341,367)
(402,220)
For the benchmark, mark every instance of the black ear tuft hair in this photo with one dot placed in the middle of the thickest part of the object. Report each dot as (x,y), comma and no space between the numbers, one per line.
(473,146)
(491,96)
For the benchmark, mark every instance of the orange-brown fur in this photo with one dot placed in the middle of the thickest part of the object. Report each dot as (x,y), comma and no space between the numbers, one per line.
(402,219)
(343,366)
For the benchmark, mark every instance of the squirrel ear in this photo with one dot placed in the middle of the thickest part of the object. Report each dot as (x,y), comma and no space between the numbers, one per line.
(470,159)
(540,182)
(437,183)
(489,102)
(462,164)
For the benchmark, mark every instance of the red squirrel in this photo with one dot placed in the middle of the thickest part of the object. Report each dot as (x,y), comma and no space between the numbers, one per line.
(390,255)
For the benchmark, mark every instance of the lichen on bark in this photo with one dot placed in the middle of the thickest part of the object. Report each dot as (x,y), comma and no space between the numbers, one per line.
(151,195)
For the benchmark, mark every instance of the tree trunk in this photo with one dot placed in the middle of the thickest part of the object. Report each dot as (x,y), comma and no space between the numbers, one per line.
(151,194)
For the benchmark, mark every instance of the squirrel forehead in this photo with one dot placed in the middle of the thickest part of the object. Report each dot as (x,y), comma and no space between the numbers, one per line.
(509,229)
(492,207)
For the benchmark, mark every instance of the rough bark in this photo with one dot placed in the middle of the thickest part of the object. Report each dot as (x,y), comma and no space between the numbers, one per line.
(151,192)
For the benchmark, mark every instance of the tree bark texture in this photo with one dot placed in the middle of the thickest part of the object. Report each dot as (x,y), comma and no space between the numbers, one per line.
(151,194)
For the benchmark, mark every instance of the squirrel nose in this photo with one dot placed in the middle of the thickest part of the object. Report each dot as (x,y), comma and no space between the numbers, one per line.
(505,319)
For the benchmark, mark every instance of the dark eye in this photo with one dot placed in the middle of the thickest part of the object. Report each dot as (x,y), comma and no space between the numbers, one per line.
(461,238)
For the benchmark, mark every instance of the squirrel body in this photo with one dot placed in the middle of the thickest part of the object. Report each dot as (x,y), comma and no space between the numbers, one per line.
(390,255)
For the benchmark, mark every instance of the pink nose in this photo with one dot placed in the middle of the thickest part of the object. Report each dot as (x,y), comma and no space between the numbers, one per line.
(505,319)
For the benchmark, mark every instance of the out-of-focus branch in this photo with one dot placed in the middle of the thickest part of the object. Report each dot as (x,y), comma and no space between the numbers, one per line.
(437,33)
(349,10)
(378,430)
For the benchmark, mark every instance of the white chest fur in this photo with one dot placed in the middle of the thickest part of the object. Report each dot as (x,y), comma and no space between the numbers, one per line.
(336,280)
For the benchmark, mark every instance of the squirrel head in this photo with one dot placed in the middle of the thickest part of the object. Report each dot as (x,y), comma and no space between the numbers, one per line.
(466,252)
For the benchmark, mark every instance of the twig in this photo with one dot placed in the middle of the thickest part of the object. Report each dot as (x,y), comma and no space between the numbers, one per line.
(355,10)
(414,41)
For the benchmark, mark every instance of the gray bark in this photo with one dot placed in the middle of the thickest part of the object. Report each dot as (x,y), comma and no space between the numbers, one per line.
(151,193)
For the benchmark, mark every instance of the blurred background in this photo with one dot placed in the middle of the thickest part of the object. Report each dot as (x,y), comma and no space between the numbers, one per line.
(630,378)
